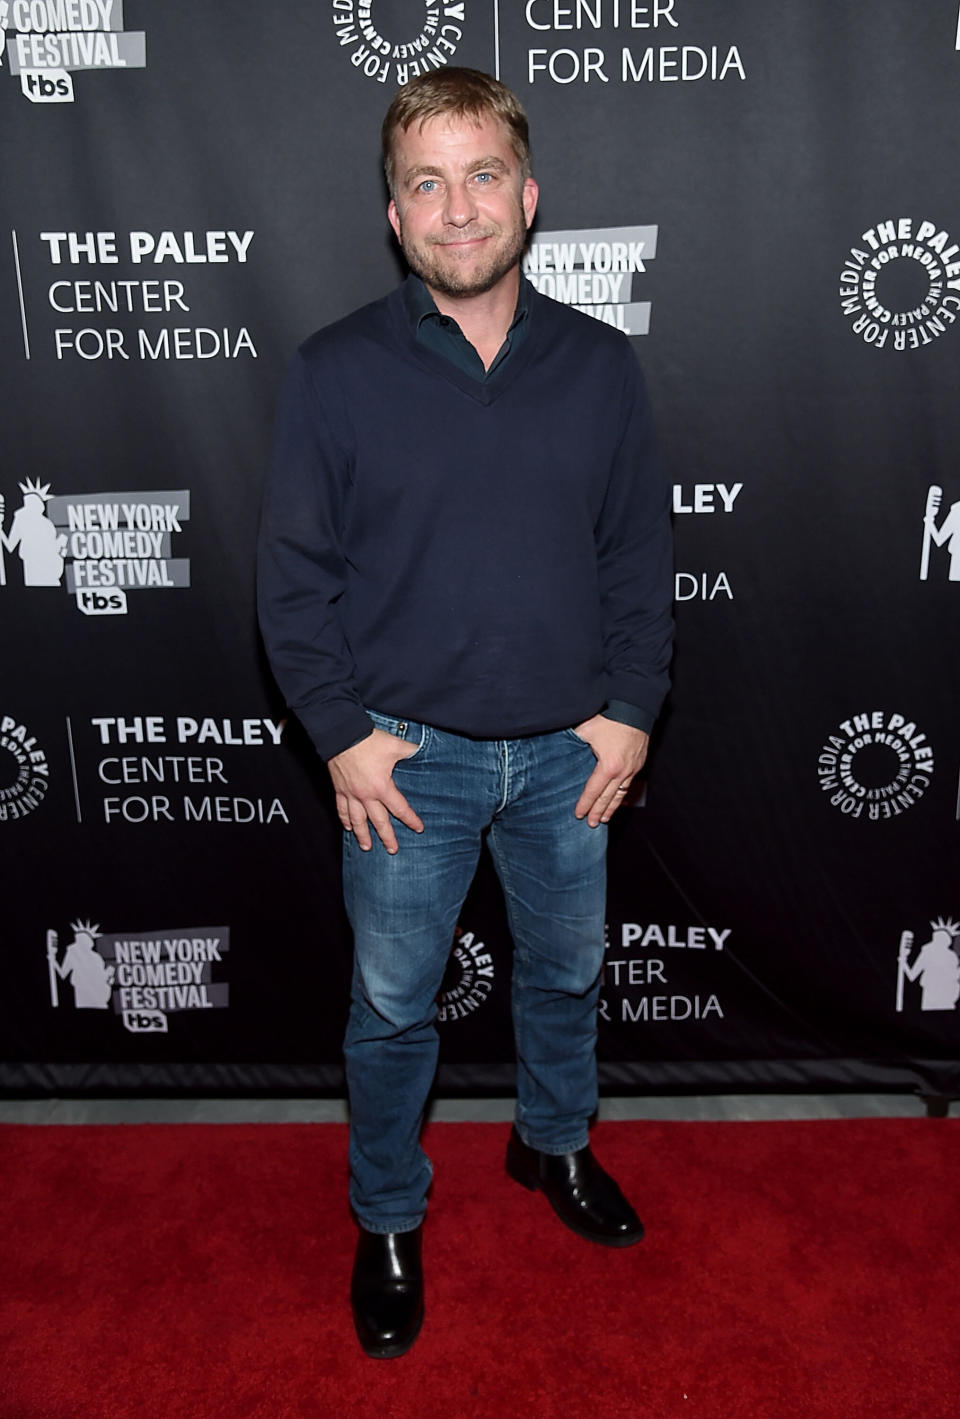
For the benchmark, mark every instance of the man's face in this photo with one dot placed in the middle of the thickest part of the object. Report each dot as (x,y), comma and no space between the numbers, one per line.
(462,209)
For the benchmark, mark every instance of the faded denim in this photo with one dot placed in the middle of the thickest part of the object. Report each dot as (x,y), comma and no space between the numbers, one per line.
(520,795)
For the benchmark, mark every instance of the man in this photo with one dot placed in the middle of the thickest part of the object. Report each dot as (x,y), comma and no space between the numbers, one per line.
(465,588)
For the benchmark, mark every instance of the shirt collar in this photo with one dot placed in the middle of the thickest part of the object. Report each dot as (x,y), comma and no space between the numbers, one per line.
(420,305)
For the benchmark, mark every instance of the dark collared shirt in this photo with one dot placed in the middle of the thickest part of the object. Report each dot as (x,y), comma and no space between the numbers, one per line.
(441,333)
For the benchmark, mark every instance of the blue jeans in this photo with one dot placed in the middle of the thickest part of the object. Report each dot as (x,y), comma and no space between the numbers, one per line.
(403,910)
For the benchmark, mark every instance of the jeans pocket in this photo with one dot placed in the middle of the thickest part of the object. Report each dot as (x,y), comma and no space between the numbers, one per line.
(409,730)
(572,734)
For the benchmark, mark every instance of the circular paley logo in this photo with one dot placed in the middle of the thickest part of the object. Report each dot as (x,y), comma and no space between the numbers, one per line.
(24,771)
(384,41)
(900,289)
(875,766)
(468,980)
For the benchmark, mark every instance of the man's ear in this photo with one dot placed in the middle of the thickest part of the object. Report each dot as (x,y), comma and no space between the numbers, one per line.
(393,216)
(530,197)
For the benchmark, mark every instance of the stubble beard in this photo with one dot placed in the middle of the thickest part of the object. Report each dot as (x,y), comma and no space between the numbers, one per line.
(446,276)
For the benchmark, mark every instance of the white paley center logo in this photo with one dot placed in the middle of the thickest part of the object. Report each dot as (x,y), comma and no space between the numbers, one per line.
(633,964)
(935,967)
(145,977)
(98,545)
(901,289)
(24,771)
(427,44)
(947,534)
(95,291)
(575,21)
(468,981)
(48,39)
(703,498)
(876,766)
(150,753)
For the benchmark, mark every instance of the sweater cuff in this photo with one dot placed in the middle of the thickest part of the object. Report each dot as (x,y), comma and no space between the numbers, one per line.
(625,713)
(331,739)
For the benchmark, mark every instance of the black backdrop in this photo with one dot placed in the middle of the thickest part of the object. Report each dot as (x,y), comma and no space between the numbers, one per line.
(765,197)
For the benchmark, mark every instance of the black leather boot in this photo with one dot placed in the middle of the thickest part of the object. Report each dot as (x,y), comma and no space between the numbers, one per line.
(386,1292)
(584,1197)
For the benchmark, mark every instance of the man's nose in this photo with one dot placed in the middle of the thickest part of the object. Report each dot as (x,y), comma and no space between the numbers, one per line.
(460,208)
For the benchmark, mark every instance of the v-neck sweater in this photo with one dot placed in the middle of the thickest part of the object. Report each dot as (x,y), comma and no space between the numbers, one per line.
(492,558)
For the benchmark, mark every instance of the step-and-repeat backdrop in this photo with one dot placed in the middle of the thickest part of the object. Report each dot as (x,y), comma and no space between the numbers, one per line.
(764,197)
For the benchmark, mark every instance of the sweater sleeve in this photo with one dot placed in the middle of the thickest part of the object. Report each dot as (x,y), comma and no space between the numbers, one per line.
(635,561)
(301,570)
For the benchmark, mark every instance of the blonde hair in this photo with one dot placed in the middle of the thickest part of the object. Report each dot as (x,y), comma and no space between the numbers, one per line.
(463,93)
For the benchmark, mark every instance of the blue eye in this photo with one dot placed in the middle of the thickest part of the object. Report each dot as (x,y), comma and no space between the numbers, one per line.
(483,177)
(428,185)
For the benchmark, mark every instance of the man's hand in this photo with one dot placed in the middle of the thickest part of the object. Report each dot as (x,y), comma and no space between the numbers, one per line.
(621,751)
(363,778)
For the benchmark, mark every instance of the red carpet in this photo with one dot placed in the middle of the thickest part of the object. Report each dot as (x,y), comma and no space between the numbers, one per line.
(790,1270)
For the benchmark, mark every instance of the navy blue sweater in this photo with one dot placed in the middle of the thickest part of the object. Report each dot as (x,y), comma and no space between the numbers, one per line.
(490,558)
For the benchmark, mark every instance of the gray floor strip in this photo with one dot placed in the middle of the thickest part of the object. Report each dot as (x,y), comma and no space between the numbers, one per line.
(758,1107)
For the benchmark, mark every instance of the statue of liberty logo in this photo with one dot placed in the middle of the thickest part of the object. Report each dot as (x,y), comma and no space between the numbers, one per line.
(947,533)
(89,974)
(936,966)
(35,537)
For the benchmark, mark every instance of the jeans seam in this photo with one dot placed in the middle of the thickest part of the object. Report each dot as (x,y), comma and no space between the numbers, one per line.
(519,953)
(506,777)
(505,873)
